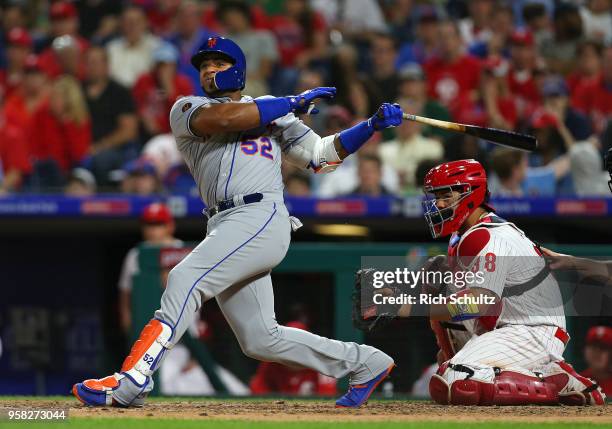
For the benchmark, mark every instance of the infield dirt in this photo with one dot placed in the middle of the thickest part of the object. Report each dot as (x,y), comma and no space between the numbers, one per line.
(310,410)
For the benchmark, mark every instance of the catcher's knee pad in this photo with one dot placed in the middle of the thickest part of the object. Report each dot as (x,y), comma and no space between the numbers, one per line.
(147,352)
(573,388)
(463,385)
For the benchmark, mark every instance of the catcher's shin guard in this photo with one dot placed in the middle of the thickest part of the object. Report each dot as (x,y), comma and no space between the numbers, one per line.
(131,386)
(505,388)
(573,388)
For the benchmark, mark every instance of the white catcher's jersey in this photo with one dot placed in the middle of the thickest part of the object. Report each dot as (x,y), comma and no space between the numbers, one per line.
(238,163)
(509,261)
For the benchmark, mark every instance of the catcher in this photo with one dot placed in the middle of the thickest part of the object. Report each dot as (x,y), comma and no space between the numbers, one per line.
(502,343)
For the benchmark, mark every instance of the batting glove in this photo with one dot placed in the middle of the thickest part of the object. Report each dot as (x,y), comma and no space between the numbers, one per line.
(388,115)
(303,103)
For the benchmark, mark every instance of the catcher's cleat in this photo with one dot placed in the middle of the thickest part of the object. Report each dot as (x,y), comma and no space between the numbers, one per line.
(358,394)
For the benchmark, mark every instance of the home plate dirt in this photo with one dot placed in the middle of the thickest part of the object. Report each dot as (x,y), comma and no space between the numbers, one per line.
(309,410)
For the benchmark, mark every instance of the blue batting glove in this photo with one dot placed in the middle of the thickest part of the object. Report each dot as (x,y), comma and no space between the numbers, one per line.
(388,115)
(302,103)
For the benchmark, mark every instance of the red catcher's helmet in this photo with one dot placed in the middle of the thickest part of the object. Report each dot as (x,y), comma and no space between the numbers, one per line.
(465,176)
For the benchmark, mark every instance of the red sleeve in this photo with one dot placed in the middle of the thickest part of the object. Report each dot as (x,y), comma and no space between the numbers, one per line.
(139,92)
(475,68)
(35,135)
(259,382)
(318,22)
(581,98)
(182,88)
(259,18)
(14,150)
(78,138)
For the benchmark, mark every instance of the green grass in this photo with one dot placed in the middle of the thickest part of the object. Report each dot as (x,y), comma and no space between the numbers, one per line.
(236,424)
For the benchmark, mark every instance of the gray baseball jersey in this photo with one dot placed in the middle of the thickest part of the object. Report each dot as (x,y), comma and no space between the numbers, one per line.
(239,163)
(242,245)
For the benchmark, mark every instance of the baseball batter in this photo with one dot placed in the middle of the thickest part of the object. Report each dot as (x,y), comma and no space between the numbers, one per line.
(233,146)
(513,355)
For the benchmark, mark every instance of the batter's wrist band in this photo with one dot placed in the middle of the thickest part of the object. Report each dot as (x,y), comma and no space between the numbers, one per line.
(353,138)
(272,108)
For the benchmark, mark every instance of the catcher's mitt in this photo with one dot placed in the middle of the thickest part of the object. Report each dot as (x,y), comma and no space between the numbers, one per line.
(367,315)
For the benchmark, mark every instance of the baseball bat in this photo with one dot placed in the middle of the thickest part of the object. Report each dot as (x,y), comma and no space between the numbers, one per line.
(503,137)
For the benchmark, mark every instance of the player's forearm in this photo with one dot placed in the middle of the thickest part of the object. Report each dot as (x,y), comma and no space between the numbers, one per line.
(224,118)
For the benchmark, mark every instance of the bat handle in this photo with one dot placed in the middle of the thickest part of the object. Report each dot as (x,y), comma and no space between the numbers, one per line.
(409,117)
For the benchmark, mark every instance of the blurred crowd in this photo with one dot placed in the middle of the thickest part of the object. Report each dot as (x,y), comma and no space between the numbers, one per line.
(86,88)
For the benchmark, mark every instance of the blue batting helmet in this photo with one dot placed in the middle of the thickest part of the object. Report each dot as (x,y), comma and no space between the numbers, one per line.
(233,78)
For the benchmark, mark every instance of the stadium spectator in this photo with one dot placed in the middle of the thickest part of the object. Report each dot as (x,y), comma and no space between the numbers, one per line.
(476,27)
(401,19)
(276,378)
(259,46)
(554,139)
(301,34)
(555,94)
(511,175)
(408,149)
(598,356)
(114,125)
(14,15)
(589,177)
(559,51)
(522,76)
(297,184)
(509,169)
(81,183)
(22,104)
(99,20)
(425,45)
(537,22)
(68,58)
(413,86)
(140,178)
(588,68)
(382,80)
(351,89)
(369,173)
(259,18)
(354,20)
(188,38)
(60,133)
(14,161)
(156,91)
(162,151)
(595,98)
(67,46)
(597,19)
(454,76)
(131,55)
(19,47)
(502,20)
(160,15)
(500,107)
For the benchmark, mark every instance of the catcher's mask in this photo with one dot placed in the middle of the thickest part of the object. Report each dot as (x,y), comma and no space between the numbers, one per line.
(446,211)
